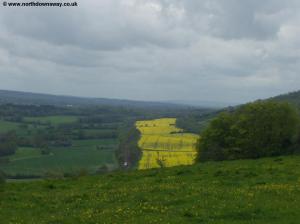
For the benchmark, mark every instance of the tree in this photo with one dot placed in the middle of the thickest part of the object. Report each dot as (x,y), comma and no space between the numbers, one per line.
(255,130)
(8,143)
(103,169)
(128,153)
(2,178)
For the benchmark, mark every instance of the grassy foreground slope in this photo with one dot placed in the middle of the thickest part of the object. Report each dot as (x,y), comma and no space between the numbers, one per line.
(249,191)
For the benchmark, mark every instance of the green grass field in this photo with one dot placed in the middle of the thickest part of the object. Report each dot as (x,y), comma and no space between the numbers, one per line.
(94,142)
(98,131)
(247,192)
(82,155)
(6,126)
(24,153)
(55,120)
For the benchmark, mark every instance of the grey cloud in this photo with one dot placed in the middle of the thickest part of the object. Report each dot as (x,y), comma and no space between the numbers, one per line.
(153,50)
(100,26)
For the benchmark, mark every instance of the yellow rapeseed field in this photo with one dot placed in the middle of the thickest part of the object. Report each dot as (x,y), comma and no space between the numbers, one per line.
(163,144)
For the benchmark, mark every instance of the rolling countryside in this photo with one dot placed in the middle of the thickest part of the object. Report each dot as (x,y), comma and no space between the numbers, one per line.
(150,112)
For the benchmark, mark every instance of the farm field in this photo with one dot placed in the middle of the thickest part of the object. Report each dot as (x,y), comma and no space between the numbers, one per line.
(165,145)
(24,153)
(95,142)
(55,120)
(45,140)
(234,192)
(83,155)
(6,126)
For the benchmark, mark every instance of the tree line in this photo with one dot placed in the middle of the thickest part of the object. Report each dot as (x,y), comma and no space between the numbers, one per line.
(8,143)
(259,129)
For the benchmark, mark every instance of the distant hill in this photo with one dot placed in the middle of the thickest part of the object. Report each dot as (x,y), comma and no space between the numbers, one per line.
(196,121)
(292,97)
(202,103)
(28,98)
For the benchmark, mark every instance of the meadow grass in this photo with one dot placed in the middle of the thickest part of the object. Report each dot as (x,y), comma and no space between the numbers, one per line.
(233,192)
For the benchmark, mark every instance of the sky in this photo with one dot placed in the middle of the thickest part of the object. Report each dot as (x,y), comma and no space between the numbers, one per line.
(156,50)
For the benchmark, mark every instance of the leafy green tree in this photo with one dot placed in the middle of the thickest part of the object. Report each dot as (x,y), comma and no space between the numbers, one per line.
(8,143)
(128,153)
(252,131)
(103,169)
(2,178)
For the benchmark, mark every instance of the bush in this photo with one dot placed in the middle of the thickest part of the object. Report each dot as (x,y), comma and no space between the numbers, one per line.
(103,169)
(52,175)
(2,178)
(8,144)
(255,130)
(46,151)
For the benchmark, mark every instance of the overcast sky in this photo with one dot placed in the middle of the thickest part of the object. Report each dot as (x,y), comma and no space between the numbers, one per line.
(208,50)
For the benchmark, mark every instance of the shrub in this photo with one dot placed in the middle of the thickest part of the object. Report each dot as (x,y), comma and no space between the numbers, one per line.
(103,169)
(8,144)
(46,151)
(252,131)
(49,175)
(2,178)
(161,163)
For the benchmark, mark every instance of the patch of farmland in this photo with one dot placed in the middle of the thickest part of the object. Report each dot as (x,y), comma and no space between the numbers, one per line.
(95,142)
(25,153)
(62,161)
(54,120)
(89,155)
(165,145)
(6,126)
